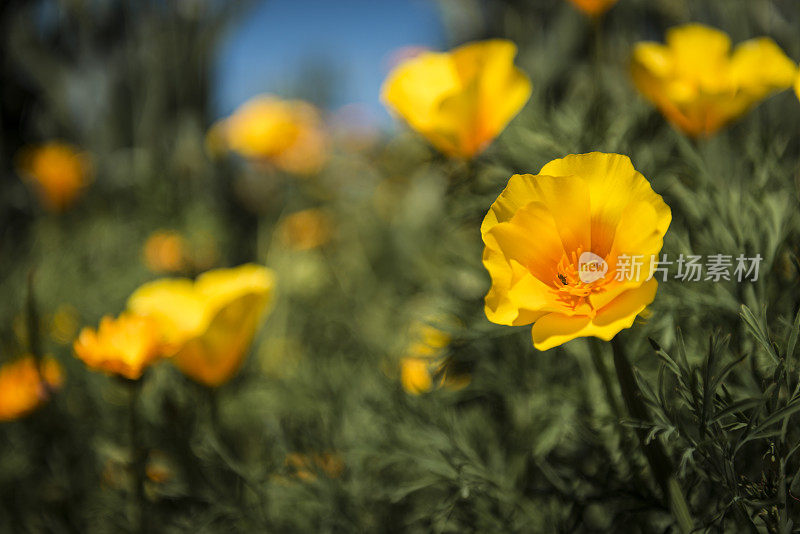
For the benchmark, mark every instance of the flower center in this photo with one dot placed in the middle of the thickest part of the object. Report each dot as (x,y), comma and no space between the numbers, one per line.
(578,276)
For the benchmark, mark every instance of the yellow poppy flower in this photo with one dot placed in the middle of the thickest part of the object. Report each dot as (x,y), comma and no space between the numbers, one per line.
(124,346)
(24,387)
(58,172)
(424,367)
(562,248)
(208,324)
(594,7)
(459,100)
(699,85)
(287,133)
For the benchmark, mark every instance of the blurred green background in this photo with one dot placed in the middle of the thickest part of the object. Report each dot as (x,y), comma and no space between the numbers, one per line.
(317,432)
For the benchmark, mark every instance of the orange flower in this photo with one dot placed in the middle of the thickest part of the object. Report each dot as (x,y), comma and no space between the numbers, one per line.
(24,387)
(557,243)
(286,133)
(306,229)
(165,251)
(125,346)
(459,100)
(699,85)
(594,7)
(58,172)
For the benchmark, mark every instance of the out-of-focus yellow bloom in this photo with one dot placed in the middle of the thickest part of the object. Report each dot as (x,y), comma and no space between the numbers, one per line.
(306,466)
(416,375)
(306,229)
(287,133)
(562,248)
(24,387)
(165,251)
(58,172)
(594,7)
(158,468)
(124,346)
(424,368)
(699,85)
(208,324)
(430,340)
(459,100)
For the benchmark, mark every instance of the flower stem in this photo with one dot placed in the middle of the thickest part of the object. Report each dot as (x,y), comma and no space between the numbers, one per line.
(605,378)
(657,458)
(139,500)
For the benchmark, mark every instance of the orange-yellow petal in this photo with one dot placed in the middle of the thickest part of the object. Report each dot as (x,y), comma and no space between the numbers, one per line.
(125,346)
(613,184)
(555,329)
(210,323)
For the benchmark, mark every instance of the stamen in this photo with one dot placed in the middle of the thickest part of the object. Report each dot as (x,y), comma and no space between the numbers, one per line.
(571,290)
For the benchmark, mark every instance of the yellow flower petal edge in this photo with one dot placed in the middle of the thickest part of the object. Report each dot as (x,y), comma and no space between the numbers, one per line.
(208,324)
(124,346)
(699,85)
(459,100)
(539,232)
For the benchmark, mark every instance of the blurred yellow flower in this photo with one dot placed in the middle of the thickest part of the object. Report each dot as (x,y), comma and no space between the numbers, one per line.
(594,7)
(287,133)
(124,346)
(24,387)
(699,85)
(416,375)
(58,172)
(459,100)
(208,324)
(164,251)
(306,466)
(158,467)
(424,367)
(561,248)
(306,229)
